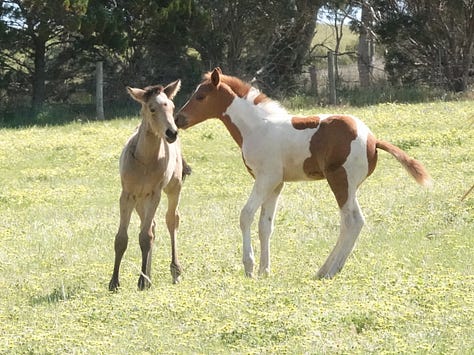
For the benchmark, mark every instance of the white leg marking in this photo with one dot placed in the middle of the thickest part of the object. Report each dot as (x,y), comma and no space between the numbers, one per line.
(352,221)
(265,229)
(260,192)
(246,218)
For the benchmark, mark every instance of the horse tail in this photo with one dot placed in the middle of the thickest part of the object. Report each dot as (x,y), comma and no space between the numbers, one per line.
(413,166)
(186,169)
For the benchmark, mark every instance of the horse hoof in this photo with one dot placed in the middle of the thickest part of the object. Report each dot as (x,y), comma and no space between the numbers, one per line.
(176,272)
(249,274)
(322,274)
(143,283)
(176,280)
(114,285)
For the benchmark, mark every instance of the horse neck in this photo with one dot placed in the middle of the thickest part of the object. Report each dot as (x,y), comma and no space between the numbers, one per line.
(243,116)
(148,143)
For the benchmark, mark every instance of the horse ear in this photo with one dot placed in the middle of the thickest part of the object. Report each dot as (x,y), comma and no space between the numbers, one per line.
(136,94)
(215,76)
(172,89)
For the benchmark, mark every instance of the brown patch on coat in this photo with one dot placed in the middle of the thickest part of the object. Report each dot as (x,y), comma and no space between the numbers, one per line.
(233,130)
(337,180)
(260,98)
(329,148)
(239,87)
(307,122)
(208,101)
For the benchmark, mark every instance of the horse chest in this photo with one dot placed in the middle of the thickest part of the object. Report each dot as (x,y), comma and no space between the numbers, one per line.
(142,178)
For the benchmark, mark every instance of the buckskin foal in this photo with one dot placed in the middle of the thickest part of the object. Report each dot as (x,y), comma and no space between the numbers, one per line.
(278,147)
(151,162)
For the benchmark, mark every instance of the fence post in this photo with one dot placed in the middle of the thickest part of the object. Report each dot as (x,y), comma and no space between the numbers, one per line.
(99,91)
(313,76)
(331,79)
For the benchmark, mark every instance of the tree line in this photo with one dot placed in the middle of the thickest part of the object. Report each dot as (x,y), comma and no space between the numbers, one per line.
(48,48)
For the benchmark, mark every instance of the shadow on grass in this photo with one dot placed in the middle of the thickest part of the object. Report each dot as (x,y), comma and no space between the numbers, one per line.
(61,114)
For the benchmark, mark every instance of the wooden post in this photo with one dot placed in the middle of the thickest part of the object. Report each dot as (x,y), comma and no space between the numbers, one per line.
(99,91)
(313,76)
(365,55)
(331,79)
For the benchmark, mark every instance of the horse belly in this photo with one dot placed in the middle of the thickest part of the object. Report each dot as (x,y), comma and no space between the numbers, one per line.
(293,171)
(294,154)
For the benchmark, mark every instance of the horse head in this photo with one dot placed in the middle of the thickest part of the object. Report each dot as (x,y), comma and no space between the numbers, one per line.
(158,108)
(210,100)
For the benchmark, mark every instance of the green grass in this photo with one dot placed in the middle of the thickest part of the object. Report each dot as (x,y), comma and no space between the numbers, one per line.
(407,288)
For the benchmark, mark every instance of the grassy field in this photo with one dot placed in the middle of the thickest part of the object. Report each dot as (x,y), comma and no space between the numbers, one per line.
(407,288)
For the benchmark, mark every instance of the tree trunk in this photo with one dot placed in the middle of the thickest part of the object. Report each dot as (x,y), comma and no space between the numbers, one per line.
(286,57)
(39,75)
(365,57)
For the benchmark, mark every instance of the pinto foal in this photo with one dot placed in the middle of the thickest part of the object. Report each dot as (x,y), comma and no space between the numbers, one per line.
(151,162)
(278,147)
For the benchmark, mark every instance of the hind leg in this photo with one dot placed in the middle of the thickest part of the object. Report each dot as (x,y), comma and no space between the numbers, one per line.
(352,221)
(351,224)
(172,223)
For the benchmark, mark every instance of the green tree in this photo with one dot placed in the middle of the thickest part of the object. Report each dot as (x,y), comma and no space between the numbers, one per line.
(49,48)
(427,41)
(157,36)
(337,13)
(31,31)
(291,42)
(265,40)
(365,49)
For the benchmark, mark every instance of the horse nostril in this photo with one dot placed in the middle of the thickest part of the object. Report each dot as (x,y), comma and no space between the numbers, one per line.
(171,135)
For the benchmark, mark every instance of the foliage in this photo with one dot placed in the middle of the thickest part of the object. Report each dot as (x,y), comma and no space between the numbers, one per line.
(32,31)
(48,49)
(427,41)
(268,41)
(158,34)
(408,287)
(284,60)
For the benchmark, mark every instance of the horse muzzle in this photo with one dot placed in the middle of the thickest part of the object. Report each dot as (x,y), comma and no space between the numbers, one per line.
(171,135)
(181,121)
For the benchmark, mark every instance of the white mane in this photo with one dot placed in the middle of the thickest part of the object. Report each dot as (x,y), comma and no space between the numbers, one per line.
(271,107)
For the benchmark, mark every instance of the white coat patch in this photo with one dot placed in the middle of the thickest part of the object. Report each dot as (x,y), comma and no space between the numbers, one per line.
(356,164)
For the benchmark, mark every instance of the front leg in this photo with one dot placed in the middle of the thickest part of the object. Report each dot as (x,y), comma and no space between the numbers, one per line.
(147,237)
(246,218)
(121,239)
(172,222)
(265,229)
(262,189)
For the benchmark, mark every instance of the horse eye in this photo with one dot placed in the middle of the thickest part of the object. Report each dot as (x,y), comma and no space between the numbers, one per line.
(152,110)
(200,97)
